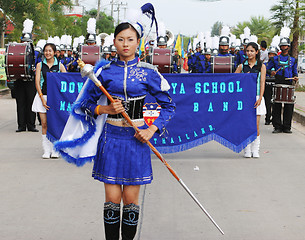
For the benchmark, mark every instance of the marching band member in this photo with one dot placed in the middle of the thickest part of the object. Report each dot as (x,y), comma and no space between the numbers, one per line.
(285,67)
(176,62)
(91,29)
(207,61)
(272,52)
(196,59)
(241,56)
(113,53)
(122,160)
(49,64)
(224,41)
(253,64)
(24,91)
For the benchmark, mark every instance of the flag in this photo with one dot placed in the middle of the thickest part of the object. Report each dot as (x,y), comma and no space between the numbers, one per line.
(142,46)
(189,45)
(178,44)
(182,47)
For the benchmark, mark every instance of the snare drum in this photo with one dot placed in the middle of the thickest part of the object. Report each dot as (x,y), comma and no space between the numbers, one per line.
(221,64)
(90,54)
(19,61)
(283,94)
(162,57)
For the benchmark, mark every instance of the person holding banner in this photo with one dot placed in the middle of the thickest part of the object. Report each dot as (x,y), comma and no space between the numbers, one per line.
(49,64)
(253,64)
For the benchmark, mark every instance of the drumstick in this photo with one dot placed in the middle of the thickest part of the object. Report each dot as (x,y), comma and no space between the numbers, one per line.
(278,70)
(291,78)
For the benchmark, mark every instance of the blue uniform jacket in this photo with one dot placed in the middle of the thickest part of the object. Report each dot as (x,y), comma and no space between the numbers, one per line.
(287,64)
(132,80)
(240,57)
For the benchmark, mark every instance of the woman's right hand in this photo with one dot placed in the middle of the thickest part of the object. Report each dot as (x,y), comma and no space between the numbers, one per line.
(44,103)
(115,108)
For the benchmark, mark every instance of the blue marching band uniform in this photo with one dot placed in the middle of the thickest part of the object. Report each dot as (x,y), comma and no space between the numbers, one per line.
(285,66)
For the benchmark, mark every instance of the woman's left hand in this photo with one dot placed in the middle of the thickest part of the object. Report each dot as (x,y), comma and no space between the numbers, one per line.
(258,102)
(145,135)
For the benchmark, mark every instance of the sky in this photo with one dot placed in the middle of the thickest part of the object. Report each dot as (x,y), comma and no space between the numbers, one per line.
(189,17)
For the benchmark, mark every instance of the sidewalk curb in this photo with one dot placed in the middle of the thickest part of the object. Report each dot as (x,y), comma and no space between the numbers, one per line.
(299,114)
(4,91)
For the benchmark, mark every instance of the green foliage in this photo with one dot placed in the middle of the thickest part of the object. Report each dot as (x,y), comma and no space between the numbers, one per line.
(282,14)
(216,29)
(50,20)
(259,26)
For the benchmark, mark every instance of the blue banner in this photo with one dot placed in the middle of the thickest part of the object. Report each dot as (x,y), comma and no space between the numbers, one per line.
(209,107)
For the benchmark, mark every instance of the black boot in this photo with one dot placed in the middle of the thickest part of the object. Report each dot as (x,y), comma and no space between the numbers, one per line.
(130,221)
(112,220)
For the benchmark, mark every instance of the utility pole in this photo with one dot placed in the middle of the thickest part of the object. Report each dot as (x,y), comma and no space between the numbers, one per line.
(119,5)
(112,3)
(98,13)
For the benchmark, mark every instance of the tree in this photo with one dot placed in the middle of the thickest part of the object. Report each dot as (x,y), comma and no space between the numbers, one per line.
(49,19)
(289,13)
(216,29)
(259,26)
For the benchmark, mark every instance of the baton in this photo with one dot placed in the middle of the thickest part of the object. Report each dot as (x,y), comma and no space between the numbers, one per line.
(87,71)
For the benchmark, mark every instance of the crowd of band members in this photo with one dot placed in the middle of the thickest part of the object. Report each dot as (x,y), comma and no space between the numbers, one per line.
(279,64)
(198,62)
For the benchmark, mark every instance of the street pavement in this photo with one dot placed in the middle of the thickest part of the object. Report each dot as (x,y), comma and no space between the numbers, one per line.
(250,199)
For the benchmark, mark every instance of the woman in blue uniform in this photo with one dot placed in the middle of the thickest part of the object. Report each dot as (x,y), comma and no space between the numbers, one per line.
(123,160)
(253,64)
(49,64)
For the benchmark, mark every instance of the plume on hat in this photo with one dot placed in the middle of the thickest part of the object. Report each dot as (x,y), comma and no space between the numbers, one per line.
(253,38)
(109,40)
(81,39)
(75,42)
(69,40)
(91,25)
(285,32)
(247,32)
(275,41)
(57,40)
(237,42)
(27,26)
(208,41)
(41,43)
(63,39)
(162,30)
(215,42)
(50,40)
(225,31)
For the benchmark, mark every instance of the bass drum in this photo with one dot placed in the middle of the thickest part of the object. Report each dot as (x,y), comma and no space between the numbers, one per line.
(221,64)
(19,61)
(90,54)
(163,59)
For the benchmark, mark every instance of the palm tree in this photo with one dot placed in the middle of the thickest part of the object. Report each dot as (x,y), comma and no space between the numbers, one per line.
(259,26)
(289,13)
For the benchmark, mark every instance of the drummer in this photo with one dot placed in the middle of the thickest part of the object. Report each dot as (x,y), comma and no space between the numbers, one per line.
(224,46)
(162,42)
(286,67)
(24,91)
(91,39)
(272,52)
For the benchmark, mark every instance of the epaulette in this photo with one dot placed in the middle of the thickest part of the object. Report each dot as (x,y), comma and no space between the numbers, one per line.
(146,65)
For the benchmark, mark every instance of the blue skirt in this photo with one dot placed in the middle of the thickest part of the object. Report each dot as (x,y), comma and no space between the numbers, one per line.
(121,158)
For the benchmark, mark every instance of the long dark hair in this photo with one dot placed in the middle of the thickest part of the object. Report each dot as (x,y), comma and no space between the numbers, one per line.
(52,45)
(122,26)
(258,55)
